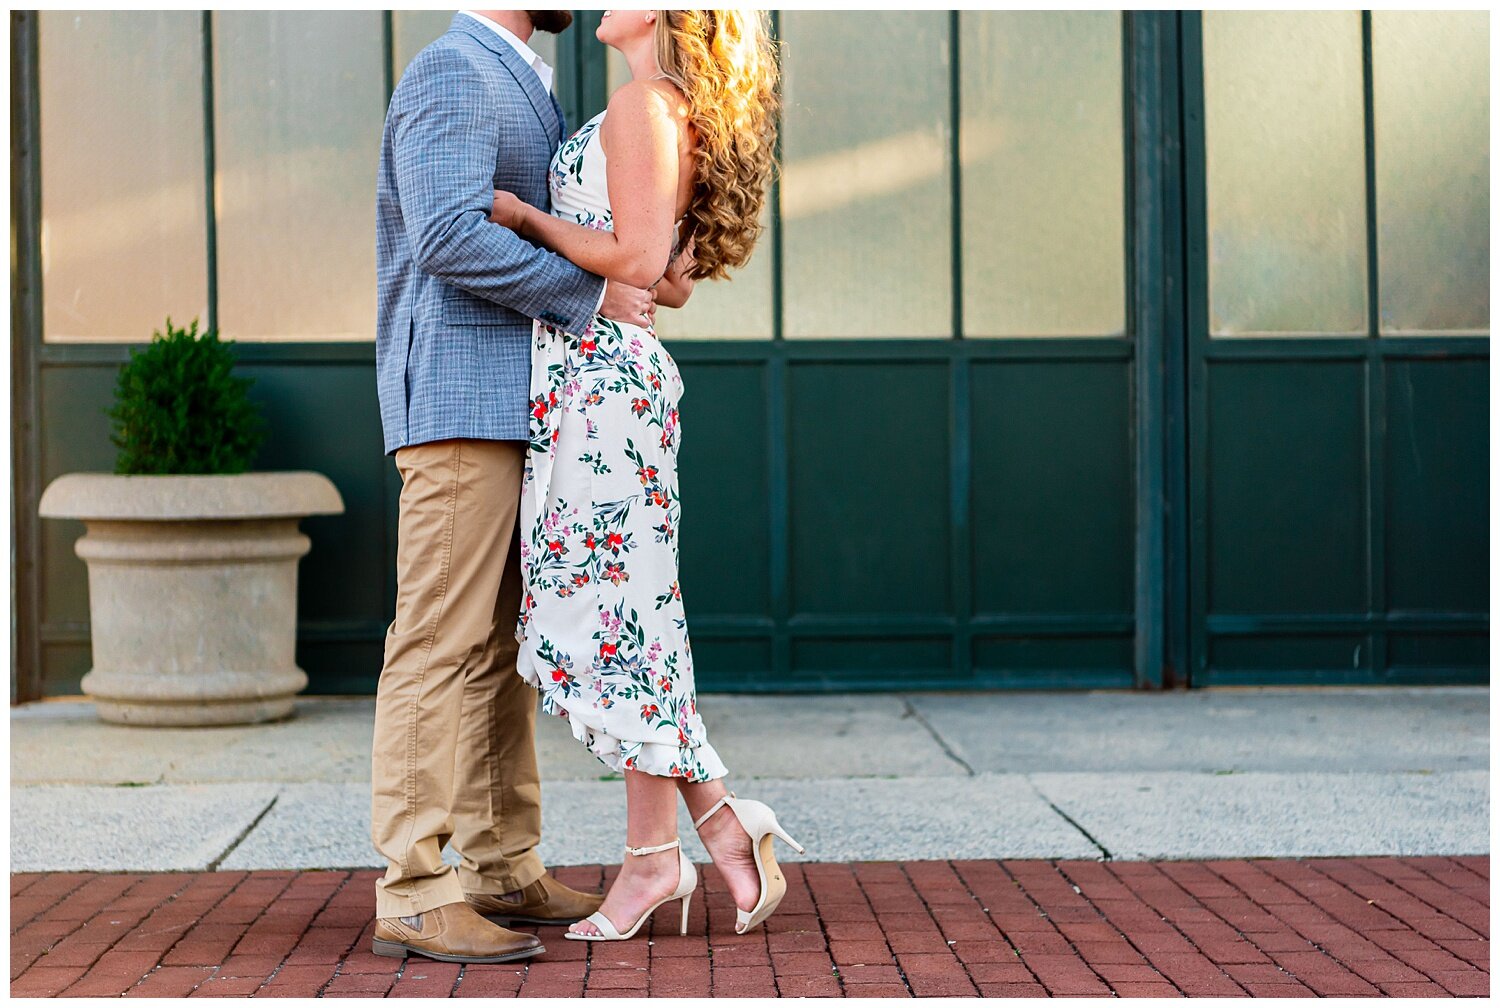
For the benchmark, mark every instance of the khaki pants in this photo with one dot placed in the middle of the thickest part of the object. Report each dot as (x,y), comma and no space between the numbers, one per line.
(454,753)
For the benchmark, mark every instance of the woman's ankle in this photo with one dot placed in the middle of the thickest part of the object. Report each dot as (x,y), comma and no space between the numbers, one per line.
(700,796)
(722,823)
(652,868)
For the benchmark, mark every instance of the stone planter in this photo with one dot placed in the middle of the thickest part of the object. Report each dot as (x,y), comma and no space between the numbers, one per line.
(192,591)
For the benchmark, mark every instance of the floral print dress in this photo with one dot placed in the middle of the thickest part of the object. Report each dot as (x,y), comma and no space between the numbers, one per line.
(602,629)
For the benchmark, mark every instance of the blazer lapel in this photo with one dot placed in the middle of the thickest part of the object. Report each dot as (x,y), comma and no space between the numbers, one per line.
(531,86)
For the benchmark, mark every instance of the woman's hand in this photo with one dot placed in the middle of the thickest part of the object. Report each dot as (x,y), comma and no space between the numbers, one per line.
(674,289)
(508,210)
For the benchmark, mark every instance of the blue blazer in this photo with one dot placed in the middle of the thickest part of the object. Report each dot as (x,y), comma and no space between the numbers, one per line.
(456,293)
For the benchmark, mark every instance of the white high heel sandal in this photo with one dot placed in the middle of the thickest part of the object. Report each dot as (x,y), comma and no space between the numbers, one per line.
(687,881)
(758,820)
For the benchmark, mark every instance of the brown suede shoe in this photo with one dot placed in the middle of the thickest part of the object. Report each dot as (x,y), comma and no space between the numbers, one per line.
(545,901)
(452,933)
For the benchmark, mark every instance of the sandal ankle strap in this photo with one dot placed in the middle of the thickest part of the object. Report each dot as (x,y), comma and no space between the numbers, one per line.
(698,823)
(638,851)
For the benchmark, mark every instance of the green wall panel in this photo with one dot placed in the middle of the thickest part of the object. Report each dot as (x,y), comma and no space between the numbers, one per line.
(1456,655)
(65,665)
(725,549)
(1437,478)
(1084,662)
(845,663)
(724,663)
(1053,490)
(869,487)
(1270,657)
(325,418)
(74,401)
(869,509)
(1286,487)
(340,667)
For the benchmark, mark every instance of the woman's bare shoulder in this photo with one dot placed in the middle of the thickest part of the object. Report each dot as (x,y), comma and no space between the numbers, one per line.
(650,98)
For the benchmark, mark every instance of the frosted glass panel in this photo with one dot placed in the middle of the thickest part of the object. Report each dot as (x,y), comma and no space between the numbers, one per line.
(411,31)
(1042,150)
(1432,169)
(1284,132)
(299,100)
(122,174)
(865,201)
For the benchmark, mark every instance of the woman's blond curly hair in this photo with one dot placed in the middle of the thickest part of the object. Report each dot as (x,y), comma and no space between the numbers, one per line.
(724,63)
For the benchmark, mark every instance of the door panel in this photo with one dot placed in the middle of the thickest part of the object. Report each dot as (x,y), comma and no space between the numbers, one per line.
(335,432)
(869,447)
(1286,482)
(1053,488)
(1084,661)
(1270,658)
(724,468)
(72,400)
(855,663)
(1425,657)
(1437,507)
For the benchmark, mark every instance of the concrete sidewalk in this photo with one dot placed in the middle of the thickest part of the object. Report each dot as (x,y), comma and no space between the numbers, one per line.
(882,777)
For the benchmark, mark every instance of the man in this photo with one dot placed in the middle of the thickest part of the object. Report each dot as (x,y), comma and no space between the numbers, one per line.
(454,757)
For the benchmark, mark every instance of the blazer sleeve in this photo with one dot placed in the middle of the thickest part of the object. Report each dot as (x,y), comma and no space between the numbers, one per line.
(443,142)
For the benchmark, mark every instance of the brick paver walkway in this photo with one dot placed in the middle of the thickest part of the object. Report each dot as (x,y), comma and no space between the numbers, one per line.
(1345,926)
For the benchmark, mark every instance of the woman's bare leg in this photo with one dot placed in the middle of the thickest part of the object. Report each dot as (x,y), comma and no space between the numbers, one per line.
(650,819)
(726,841)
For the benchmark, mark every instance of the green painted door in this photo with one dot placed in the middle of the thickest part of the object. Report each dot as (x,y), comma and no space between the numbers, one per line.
(1338,350)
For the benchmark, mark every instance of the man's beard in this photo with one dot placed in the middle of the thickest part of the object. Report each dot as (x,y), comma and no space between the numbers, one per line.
(552,21)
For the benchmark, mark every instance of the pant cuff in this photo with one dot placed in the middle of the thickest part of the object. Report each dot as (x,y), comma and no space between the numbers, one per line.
(413,896)
(510,877)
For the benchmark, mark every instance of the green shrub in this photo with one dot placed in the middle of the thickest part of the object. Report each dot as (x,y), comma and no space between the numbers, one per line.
(179,409)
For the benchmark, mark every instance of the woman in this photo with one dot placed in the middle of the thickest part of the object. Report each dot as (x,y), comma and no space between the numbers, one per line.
(685,150)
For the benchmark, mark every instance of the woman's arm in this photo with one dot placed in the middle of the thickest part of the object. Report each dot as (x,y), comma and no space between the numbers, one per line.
(641,134)
(674,289)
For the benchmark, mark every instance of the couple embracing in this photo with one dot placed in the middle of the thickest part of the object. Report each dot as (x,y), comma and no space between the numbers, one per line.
(532,413)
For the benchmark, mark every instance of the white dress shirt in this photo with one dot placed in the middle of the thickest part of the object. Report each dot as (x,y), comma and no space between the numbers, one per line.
(528,55)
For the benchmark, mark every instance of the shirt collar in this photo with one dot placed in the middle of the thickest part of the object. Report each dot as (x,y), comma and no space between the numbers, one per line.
(528,55)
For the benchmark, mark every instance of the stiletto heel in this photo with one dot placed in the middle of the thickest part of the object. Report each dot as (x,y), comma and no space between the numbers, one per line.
(687,881)
(759,821)
(794,845)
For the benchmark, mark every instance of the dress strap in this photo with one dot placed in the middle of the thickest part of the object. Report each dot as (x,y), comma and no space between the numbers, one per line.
(638,851)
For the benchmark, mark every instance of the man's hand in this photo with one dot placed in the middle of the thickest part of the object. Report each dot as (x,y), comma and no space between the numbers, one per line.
(628,304)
